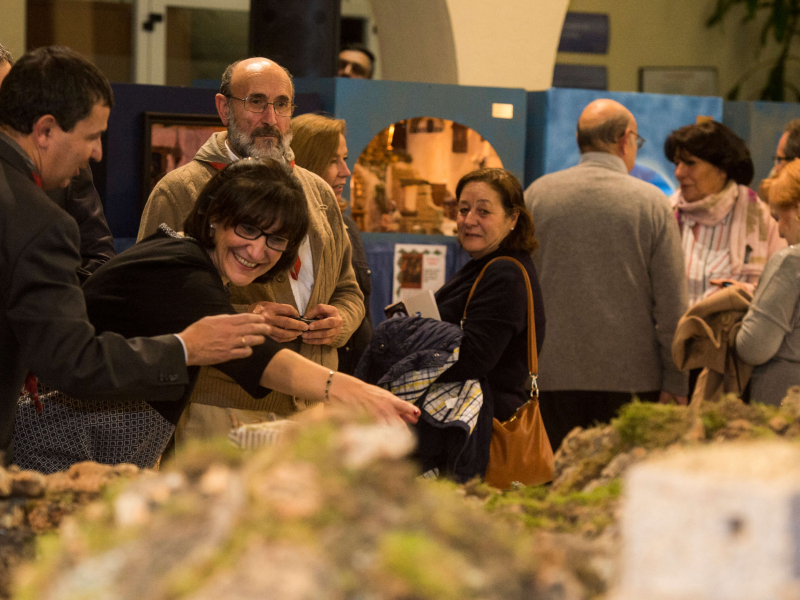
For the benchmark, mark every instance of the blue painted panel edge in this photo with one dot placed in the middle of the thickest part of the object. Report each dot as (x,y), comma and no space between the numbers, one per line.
(535,140)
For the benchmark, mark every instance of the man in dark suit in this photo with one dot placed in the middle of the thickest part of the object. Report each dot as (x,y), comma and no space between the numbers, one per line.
(81,200)
(54,106)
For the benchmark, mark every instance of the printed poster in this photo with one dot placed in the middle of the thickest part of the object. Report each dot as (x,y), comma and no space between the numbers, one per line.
(417,267)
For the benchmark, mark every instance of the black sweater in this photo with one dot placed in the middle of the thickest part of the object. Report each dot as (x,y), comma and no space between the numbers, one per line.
(495,347)
(162,285)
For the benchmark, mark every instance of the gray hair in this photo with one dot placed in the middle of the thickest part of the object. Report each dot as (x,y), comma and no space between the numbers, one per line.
(5,55)
(602,135)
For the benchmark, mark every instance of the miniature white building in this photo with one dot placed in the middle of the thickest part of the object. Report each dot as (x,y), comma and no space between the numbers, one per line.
(719,522)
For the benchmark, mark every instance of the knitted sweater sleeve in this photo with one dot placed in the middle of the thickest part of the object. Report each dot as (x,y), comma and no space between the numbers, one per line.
(172,198)
(771,314)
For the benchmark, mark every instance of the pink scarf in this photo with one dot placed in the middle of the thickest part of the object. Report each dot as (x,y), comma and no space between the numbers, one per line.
(712,209)
(749,229)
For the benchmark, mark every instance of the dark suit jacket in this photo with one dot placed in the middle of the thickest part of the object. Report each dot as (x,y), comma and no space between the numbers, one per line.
(43,323)
(82,202)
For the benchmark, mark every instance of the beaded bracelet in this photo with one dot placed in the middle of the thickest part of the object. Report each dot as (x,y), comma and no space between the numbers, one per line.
(328,386)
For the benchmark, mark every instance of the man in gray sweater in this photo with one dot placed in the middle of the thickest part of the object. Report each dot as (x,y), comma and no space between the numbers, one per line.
(612,276)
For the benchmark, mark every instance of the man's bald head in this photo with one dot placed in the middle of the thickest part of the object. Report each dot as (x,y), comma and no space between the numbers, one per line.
(251,67)
(607,126)
(255,104)
(601,124)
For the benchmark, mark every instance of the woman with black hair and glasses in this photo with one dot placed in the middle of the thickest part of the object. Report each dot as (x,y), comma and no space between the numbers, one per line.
(246,226)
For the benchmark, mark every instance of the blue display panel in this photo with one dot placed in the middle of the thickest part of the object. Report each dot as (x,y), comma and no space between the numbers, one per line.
(368,107)
(553,116)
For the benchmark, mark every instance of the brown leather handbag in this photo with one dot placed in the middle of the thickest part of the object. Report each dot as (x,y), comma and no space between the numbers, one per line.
(520,450)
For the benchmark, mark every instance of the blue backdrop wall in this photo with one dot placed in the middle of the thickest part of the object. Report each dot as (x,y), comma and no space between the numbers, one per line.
(553,116)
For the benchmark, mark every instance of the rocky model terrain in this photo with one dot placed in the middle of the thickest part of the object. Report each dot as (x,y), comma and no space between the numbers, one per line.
(338,511)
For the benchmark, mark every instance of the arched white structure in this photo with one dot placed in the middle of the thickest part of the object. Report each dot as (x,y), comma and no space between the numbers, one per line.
(470,42)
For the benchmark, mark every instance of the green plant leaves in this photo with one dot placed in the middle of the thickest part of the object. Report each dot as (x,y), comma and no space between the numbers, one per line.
(783,20)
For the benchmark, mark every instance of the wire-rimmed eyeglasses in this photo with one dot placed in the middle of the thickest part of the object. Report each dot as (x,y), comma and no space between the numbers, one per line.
(258,104)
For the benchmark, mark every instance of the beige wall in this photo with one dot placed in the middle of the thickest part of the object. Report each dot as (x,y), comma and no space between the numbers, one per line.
(12,26)
(670,33)
(507,44)
(470,42)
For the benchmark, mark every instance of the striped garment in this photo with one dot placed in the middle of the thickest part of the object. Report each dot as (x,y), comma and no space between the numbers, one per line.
(736,247)
(708,256)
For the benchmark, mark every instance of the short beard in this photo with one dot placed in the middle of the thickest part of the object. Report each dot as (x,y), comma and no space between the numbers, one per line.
(245,146)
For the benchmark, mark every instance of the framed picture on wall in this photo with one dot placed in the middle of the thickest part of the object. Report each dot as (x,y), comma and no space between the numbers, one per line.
(170,141)
(683,81)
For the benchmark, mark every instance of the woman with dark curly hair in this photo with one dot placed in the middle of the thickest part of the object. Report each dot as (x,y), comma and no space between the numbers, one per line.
(727,232)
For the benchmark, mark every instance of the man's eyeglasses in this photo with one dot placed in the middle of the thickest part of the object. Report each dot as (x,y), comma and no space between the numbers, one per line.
(258,104)
(639,140)
(781,159)
(248,232)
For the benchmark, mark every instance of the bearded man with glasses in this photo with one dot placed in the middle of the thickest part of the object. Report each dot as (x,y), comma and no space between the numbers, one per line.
(255,102)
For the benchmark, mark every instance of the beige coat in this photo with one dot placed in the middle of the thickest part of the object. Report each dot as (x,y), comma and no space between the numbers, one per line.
(334,279)
(706,338)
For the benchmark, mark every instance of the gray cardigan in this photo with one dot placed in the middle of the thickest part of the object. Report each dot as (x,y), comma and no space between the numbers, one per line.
(612,276)
(770,333)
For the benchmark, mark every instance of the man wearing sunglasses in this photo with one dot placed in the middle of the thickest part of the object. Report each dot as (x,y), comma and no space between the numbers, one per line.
(612,275)
(255,102)
(356,61)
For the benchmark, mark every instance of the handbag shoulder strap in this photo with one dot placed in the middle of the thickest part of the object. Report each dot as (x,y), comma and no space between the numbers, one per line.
(533,357)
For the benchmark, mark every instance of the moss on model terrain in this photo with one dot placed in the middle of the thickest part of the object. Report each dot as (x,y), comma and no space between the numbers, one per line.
(338,511)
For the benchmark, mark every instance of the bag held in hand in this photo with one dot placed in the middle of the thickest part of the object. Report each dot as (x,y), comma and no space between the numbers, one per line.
(520,450)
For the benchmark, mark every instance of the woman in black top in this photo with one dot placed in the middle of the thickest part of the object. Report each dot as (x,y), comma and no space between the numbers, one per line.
(246,226)
(492,221)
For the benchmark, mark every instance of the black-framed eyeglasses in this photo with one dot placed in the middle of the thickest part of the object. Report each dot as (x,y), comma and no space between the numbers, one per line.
(258,104)
(639,140)
(248,232)
(780,159)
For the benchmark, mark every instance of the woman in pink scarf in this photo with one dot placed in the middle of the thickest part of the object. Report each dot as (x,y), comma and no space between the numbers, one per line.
(726,231)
